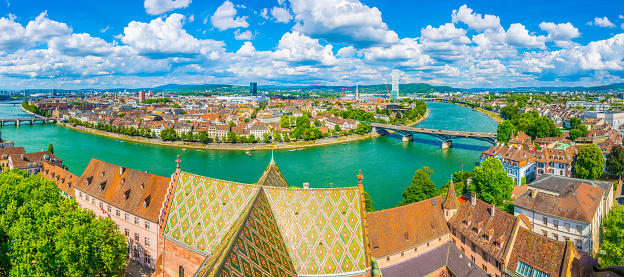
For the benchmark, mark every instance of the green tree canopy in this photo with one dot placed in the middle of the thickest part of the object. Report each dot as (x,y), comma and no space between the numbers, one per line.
(422,187)
(612,238)
(46,234)
(51,148)
(505,131)
(368,202)
(589,162)
(491,183)
(574,123)
(615,160)
(583,130)
(575,133)
(168,134)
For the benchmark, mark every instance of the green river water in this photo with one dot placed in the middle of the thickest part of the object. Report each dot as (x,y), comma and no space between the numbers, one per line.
(387,164)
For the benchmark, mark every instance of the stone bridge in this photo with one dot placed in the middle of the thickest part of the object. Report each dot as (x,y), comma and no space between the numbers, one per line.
(27,121)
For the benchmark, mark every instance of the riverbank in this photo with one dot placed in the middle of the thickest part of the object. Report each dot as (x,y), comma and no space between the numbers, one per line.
(223,146)
(30,113)
(232,146)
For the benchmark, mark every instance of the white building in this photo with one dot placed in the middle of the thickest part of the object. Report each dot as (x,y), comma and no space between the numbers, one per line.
(588,105)
(566,209)
(615,119)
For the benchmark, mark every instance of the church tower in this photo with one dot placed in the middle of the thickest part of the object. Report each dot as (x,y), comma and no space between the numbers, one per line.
(450,204)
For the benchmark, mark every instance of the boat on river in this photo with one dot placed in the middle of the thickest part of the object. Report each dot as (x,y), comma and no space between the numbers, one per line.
(248,154)
(299,149)
(292,150)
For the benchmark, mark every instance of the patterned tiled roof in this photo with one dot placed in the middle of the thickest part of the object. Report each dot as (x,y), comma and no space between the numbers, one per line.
(253,247)
(452,202)
(322,228)
(543,253)
(272,176)
(204,209)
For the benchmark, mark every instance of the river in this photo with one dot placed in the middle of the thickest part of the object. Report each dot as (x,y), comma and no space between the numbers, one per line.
(387,164)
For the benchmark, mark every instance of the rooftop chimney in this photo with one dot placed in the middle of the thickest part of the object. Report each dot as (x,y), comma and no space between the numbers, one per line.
(306,185)
(121,170)
(493,209)
(23,157)
(533,193)
(473,199)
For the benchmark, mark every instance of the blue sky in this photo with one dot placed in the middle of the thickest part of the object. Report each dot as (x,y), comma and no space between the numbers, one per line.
(135,44)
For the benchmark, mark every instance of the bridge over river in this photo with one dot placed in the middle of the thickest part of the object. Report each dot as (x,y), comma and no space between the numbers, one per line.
(443,135)
(32,121)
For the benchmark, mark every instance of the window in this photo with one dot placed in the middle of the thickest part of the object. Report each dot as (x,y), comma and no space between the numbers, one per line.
(101,205)
(556,224)
(454,242)
(402,254)
(387,260)
(556,237)
(127,233)
(472,258)
(526,270)
(117,212)
(579,245)
(127,217)
(566,239)
(485,268)
(545,221)
(473,248)
(109,209)
(146,224)
(81,194)
(136,236)
(485,256)
(463,239)
(427,244)
(566,226)
(415,249)
(181,271)
(579,229)
(148,259)
(136,220)
(147,242)
(136,254)
(463,250)
(87,197)
(545,233)
(93,201)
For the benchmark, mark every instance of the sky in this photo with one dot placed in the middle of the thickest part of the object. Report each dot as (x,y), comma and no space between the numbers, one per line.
(73,44)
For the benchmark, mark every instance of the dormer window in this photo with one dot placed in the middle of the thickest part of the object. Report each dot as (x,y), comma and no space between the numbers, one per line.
(88,181)
(123,181)
(475,230)
(146,202)
(126,195)
(102,185)
(103,173)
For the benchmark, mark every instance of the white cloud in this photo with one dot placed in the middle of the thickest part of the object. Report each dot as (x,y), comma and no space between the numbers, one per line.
(621,16)
(346,52)
(518,36)
(247,50)
(225,17)
(601,22)
(342,21)
(246,35)
(563,31)
(191,18)
(9,4)
(13,36)
(81,45)
(156,7)
(105,29)
(299,49)
(264,13)
(281,15)
(42,29)
(475,20)
(446,32)
(164,38)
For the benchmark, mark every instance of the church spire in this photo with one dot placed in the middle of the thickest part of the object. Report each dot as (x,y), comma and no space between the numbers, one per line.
(451,201)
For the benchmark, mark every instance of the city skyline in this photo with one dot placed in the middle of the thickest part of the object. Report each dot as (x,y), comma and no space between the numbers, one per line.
(73,45)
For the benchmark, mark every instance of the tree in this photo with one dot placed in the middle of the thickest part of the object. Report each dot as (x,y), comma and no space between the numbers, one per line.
(422,187)
(491,183)
(505,131)
(176,105)
(368,202)
(337,129)
(277,136)
(612,238)
(540,128)
(574,123)
(589,162)
(363,129)
(266,138)
(615,160)
(460,179)
(51,148)
(232,124)
(575,133)
(203,137)
(232,137)
(46,234)
(121,115)
(284,121)
(168,134)
(583,130)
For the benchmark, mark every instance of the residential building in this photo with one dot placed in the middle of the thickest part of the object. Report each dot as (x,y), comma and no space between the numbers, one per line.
(5,153)
(134,200)
(557,161)
(567,209)
(32,162)
(517,162)
(588,105)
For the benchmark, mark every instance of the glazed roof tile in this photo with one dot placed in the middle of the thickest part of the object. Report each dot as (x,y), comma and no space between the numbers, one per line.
(542,253)
(63,178)
(402,228)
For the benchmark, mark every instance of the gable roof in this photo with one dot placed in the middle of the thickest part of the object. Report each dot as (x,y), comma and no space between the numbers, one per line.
(12,151)
(542,253)
(135,192)
(557,184)
(402,228)
(63,178)
(499,228)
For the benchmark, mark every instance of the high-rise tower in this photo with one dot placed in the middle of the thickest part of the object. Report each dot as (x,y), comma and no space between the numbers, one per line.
(396,76)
